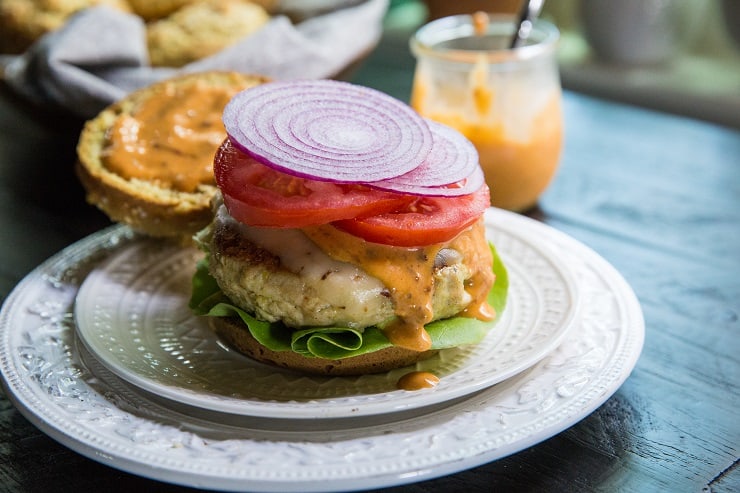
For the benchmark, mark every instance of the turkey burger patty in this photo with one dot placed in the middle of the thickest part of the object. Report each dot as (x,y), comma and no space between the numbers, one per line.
(281,275)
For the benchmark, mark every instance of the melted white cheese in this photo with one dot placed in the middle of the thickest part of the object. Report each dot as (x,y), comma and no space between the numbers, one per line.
(340,283)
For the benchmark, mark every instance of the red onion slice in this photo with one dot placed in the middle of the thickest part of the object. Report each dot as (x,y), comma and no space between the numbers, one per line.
(469,185)
(328,130)
(450,169)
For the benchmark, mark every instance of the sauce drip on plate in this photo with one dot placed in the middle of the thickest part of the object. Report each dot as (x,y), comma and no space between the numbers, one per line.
(417,380)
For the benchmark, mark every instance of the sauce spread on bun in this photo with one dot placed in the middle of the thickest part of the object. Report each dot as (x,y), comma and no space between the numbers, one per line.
(147,160)
(170,140)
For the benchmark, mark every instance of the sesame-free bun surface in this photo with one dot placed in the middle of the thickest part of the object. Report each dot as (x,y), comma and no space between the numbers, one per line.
(146,205)
(157,9)
(22,22)
(235,333)
(201,29)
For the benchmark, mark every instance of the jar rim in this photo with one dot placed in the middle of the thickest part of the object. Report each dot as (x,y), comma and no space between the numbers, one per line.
(426,40)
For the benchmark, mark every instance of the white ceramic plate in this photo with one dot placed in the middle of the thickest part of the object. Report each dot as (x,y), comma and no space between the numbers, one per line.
(80,404)
(132,315)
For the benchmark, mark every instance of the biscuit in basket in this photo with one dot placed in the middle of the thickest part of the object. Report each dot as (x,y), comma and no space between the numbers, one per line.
(147,160)
(24,21)
(156,9)
(202,29)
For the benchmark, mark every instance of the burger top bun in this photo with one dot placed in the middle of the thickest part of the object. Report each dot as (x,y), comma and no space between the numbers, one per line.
(146,161)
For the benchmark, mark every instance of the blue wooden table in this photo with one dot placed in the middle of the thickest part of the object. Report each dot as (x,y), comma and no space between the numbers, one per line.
(656,195)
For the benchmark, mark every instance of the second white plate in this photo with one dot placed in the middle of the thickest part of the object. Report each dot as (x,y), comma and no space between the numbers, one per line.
(86,408)
(131,314)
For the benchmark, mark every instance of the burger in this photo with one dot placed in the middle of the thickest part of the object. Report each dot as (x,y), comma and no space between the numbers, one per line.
(347,234)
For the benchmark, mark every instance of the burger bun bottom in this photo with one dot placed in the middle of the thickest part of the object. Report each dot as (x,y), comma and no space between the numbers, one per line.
(236,335)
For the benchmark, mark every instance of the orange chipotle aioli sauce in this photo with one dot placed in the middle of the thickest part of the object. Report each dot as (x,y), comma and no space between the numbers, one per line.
(417,380)
(480,22)
(170,139)
(517,169)
(408,275)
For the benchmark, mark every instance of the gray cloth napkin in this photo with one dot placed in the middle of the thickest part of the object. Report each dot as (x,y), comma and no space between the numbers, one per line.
(100,55)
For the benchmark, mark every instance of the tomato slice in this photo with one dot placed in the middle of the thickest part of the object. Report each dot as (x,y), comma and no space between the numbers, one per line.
(424,221)
(261,196)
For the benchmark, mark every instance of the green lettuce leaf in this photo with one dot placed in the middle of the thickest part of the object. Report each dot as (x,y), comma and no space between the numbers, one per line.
(207,299)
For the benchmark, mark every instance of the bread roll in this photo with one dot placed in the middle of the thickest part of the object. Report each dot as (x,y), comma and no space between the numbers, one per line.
(147,160)
(22,22)
(201,29)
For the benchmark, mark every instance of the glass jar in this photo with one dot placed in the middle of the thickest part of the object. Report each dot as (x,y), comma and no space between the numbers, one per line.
(506,101)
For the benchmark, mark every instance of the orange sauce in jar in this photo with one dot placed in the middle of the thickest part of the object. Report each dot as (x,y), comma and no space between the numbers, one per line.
(517,170)
(518,164)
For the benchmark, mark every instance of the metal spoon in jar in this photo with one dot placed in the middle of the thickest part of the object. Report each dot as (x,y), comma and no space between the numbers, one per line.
(530,11)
